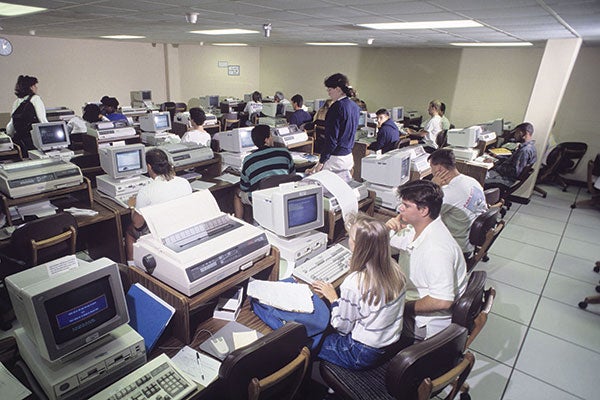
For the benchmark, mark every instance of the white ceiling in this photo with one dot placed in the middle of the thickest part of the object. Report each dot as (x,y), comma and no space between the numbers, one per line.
(295,22)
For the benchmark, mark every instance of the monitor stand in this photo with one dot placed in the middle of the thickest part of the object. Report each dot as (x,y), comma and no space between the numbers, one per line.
(297,249)
(63,154)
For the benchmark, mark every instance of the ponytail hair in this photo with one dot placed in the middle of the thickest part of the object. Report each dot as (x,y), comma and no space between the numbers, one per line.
(24,84)
(160,163)
(341,81)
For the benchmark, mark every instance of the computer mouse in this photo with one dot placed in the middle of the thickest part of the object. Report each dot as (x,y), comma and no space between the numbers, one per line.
(220,345)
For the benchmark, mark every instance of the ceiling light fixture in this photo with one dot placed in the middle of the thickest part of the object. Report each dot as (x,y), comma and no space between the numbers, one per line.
(191,17)
(331,44)
(123,37)
(224,32)
(492,44)
(370,41)
(267,29)
(230,44)
(461,23)
(13,10)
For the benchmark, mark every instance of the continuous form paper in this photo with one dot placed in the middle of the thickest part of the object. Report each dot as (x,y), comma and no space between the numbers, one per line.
(174,216)
(286,296)
(340,189)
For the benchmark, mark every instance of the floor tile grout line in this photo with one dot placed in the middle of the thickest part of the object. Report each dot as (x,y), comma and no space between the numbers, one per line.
(582,347)
(548,383)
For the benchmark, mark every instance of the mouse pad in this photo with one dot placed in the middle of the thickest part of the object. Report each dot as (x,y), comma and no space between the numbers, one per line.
(227,333)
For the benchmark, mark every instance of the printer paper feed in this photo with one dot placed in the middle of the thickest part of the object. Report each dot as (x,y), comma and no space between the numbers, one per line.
(286,296)
(174,216)
(340,189)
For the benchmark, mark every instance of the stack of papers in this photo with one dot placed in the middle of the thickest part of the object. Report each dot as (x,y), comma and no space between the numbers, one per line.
(286,296)
(39,209)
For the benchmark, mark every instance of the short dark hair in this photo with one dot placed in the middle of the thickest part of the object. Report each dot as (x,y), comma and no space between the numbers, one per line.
(298,99)
(341,81)
(24,84)
(443,157)
(91,113)
(197,115)
(256,96)
(260,133)
(424,194)
(159,162)
(112,102)
(382,111)
(525,127)
(443,107)
(104,99)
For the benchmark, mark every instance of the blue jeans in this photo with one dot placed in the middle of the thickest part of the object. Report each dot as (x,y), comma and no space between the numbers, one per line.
(345,352)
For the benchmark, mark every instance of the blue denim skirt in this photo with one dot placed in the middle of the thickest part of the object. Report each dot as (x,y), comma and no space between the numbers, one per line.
(342,350)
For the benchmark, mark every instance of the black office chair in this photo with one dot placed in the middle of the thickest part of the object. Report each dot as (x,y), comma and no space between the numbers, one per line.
(230,121)
(484,231)
(593,170)
(170,107)
(180,107)
(420,371)
(507,191)
(563,159)
(272,367)
(442,139)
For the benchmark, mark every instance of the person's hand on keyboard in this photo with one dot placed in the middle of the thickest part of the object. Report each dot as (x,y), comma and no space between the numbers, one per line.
(326,290)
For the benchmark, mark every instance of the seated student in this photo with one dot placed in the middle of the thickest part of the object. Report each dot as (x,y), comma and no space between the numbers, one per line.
(431,128)
(321,113)
(388,134)
(300,116)
(110,109)
(367,315)
(197,134)
(507,172)
(254,107)
(261,163)
(430,258)
(463,201)
(280,99)
(165,186)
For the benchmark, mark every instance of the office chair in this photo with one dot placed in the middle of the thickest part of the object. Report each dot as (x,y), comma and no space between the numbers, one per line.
(35,243)
(272,367)
(230,121)
(507,191)
(592,299)
(319,135)
(593,170)
(405,142)
(563,159)
(484,231)
(442,139)
(420,371)
(170,107)
(180,107)
(492,198)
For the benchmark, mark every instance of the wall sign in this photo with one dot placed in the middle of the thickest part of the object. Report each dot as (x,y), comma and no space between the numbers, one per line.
(233,70)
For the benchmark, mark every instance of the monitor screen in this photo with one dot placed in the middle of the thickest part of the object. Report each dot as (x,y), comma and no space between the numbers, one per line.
(161,121)
(246,138)
(50,135)
(156,122)
(362,119)
(146,95)
(121,162)
(269,109)
(213,101)
(63,312)
(302,210)
(237,140)
(397,113)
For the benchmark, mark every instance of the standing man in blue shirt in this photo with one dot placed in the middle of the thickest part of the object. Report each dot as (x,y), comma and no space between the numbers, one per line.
(388,134)
(341,123)
(299,116)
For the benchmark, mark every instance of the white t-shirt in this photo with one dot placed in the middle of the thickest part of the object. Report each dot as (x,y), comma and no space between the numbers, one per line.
(253,107)
(196,136)
(161,190)
(433,126)
(435,267)
(464,201)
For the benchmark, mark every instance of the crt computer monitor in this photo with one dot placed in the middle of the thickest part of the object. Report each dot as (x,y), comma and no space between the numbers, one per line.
(141,95)
(378,169)
(318,103)
(397,113)
(289,209)
(50,135)
(362,119)
(65,311)
(269,109)
(237,140)
(496,126)
(156,122)
(121,162)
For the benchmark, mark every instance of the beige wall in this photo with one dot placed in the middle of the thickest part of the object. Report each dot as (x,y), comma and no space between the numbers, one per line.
(72,72)
(200,74)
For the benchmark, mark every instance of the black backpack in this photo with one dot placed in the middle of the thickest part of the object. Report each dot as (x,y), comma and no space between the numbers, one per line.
(24,116)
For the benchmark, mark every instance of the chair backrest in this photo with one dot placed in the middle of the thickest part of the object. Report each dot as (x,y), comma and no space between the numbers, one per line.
(418,371)
(573,153)
(492,196)
(170,107)
(484,231)
(230,120)
(276,180)
(525,174)
(180,107)
(405,142)
(442,139)
(45,239)
(269,359)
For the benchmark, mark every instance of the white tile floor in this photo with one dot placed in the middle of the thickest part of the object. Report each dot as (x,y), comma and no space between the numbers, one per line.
(537,343)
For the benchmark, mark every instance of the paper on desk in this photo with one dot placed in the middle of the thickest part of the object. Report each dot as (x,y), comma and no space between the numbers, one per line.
(227,177)
(197,365)
(241,339)
(11,387)
(39,209)
(340,189)
(200,185)
(174,216)
(287,296)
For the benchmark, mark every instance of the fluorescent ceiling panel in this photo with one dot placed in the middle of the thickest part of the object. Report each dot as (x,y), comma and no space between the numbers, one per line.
(463,23)
(12,10)
(224,32)
(493,44)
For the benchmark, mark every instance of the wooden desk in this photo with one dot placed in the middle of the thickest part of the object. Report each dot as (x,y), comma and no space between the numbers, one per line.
(186,307)
(476,171)
(334,227)
(208,168)
(359,151)
(483,145)
(306,146)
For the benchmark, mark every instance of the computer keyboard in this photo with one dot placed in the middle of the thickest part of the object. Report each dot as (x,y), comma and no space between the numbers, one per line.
(120,200)
(200,233)
(326,266)
(157,379)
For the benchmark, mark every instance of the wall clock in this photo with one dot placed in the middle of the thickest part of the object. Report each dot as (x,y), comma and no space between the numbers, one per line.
(5,47)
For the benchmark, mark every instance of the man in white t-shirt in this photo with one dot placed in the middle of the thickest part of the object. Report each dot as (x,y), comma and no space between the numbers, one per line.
(464,199)
(428,133)
(197,134)
(429,257)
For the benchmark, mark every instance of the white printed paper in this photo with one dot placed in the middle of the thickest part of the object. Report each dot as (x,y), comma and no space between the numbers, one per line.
(198,366)
(11,387)
(287,296)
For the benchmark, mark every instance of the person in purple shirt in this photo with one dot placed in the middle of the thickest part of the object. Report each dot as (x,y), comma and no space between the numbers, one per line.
(300,116)
(341,123)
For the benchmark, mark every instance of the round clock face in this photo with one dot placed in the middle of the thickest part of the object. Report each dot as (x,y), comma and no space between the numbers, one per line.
(5,47)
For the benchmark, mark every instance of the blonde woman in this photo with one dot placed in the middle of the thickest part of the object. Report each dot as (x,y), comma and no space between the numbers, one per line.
(367,316)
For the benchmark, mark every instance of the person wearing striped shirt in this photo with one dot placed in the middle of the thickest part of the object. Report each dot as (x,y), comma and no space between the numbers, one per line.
(260,164)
